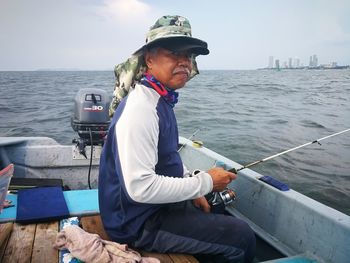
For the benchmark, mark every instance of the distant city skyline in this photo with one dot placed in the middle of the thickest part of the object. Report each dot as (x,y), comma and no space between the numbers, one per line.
(295,62)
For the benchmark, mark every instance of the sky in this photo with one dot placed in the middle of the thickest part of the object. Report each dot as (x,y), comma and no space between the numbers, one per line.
(241,34)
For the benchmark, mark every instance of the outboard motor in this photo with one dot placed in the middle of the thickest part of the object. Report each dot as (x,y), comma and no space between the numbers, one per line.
(91,119)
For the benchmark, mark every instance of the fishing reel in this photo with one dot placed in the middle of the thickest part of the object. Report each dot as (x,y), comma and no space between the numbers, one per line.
(218,200)
(221,198)
(225,197)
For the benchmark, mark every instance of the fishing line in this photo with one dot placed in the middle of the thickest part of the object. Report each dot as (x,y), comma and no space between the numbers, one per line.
(287,151)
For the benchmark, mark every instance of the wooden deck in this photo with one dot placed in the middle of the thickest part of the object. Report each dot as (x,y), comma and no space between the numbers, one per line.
(34,242)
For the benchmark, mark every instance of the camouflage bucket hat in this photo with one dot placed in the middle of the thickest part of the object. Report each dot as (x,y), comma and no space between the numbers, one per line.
(171,32)
(174,33)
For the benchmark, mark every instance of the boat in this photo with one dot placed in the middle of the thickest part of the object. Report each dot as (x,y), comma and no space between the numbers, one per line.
(290,227)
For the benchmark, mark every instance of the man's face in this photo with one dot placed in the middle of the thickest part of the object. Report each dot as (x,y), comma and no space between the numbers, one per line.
(172,69)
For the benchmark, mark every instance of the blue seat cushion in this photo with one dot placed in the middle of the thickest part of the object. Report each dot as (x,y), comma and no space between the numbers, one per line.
(41,204)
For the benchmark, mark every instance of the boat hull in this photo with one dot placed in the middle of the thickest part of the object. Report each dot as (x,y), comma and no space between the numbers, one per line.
(289,221)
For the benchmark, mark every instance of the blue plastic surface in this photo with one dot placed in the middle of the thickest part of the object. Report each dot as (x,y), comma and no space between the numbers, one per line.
(79,202)
(274,182)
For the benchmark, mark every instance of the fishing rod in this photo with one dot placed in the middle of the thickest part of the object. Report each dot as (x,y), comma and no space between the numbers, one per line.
(189,138)
(228,195)
(287,151)
(216,199)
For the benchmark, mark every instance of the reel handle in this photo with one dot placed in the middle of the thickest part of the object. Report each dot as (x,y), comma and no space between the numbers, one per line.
(232,170)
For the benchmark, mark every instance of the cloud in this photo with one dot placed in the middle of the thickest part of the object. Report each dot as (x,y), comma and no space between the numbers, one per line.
(125,11)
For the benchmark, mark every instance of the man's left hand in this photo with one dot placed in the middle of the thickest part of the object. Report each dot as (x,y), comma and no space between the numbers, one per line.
(202,203)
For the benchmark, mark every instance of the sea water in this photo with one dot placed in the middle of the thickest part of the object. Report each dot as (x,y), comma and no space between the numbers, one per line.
(243,115)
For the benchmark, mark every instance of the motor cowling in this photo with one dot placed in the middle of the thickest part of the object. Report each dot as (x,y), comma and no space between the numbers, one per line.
(91,119)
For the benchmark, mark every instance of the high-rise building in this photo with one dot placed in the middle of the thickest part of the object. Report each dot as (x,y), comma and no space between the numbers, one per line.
(290,64)
(270,62)
(277,64)
(311,62)
(315,60)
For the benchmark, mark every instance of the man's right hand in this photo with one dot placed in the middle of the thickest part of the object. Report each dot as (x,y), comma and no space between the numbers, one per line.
(221,178)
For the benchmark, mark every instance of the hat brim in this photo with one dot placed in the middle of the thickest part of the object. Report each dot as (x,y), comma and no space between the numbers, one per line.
(176,43)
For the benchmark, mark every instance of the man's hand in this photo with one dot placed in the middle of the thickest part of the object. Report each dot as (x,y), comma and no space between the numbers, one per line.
(202,203)
(221,178)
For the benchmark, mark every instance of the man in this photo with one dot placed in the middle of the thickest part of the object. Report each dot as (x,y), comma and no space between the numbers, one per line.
(147,197)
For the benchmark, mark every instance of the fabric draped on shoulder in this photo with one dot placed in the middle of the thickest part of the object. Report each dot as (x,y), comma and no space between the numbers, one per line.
(126,75)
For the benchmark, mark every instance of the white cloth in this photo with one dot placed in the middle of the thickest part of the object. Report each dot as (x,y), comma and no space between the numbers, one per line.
(91,248)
